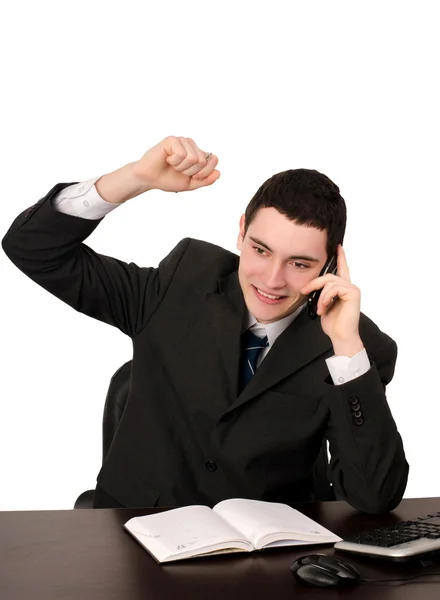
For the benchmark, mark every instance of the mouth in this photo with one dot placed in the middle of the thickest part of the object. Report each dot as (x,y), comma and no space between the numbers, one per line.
(266,297)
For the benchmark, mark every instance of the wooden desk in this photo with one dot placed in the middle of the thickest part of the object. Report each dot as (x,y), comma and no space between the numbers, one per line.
(86,555)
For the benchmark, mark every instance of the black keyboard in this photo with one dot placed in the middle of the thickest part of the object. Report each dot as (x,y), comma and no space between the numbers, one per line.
(403,541)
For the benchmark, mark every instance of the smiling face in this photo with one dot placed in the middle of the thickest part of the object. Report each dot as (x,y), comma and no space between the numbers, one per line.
(278,257)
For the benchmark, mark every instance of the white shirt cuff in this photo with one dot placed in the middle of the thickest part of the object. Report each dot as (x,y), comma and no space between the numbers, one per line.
(343,368)
(82,200)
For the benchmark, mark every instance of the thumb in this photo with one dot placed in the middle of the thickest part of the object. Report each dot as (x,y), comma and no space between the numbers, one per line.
(198,183)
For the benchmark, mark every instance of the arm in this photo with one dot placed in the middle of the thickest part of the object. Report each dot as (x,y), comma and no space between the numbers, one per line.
(368,465)
(47,245)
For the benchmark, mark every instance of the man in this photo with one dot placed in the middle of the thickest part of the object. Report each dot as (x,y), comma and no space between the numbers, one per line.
(213,412)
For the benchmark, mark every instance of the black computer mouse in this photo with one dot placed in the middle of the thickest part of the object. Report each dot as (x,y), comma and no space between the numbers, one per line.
(320,570)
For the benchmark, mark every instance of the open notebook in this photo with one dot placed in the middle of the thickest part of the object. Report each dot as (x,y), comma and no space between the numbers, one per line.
(235,525)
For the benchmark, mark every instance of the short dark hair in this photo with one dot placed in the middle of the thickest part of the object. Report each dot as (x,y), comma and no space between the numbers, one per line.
(306,197)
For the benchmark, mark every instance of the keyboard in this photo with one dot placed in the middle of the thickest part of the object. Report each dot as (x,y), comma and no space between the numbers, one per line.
(402,541)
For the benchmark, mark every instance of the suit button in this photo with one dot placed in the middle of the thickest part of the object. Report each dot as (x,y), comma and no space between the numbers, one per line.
(359,421)
(357,414)
(354,400)
(211,466)
(356,406)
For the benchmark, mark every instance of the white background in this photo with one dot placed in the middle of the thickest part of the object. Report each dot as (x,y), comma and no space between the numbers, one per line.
(348,88)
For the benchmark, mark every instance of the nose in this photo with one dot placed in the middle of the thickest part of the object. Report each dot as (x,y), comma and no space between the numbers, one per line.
(275,278)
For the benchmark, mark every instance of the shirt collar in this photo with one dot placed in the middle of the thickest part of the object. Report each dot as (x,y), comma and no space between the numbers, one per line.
(272,330)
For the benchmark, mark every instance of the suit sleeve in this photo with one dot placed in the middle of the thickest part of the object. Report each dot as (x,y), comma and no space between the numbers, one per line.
(47,245)
(368,466)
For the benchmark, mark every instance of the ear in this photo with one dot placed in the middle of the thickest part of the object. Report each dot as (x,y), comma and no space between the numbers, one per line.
(240,233)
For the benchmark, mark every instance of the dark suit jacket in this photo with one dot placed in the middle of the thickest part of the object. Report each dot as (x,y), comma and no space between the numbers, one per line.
(186,436)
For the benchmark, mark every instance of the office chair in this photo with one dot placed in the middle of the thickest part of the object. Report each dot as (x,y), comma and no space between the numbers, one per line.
(114,406)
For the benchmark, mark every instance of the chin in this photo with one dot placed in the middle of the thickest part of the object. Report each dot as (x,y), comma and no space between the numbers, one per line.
(268,316)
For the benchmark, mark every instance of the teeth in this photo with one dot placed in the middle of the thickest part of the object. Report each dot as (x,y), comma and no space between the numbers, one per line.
(268,295)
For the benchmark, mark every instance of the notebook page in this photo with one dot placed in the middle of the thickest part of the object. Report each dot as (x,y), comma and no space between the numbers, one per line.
(183,531)
(258,520)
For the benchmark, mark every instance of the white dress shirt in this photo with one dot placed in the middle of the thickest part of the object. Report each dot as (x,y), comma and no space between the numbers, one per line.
(82,200)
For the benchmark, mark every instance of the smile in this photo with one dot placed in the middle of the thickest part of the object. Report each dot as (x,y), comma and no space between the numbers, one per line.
(265,297)
(268,295)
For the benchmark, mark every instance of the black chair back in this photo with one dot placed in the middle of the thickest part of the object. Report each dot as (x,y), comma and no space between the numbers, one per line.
(114,406)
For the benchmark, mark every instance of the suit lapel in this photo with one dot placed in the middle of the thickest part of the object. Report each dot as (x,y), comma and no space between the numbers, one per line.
(299,344)
(226,313)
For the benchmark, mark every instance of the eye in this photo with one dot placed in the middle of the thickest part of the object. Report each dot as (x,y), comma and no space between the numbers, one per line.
(299,265)
(259,251)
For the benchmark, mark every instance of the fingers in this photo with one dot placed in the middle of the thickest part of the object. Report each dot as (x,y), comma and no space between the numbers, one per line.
(187,158)
(175,150)
(318,283)
(342,272)
(342,266)
(334,291)
(328,295)
(194,159)
(209,167)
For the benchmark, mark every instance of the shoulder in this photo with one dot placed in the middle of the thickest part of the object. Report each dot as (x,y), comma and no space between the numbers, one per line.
(198,256)
(369,328)
(381,348)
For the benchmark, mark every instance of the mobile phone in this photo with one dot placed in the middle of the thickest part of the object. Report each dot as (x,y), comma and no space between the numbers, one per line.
(312,302)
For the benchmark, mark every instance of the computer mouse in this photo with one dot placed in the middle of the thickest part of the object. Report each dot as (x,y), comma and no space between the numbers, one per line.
(320,570)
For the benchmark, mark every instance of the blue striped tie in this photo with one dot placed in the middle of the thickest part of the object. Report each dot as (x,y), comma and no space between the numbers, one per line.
(252,346)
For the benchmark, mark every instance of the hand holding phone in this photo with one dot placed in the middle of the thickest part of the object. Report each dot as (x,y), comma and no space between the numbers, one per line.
(312,302)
